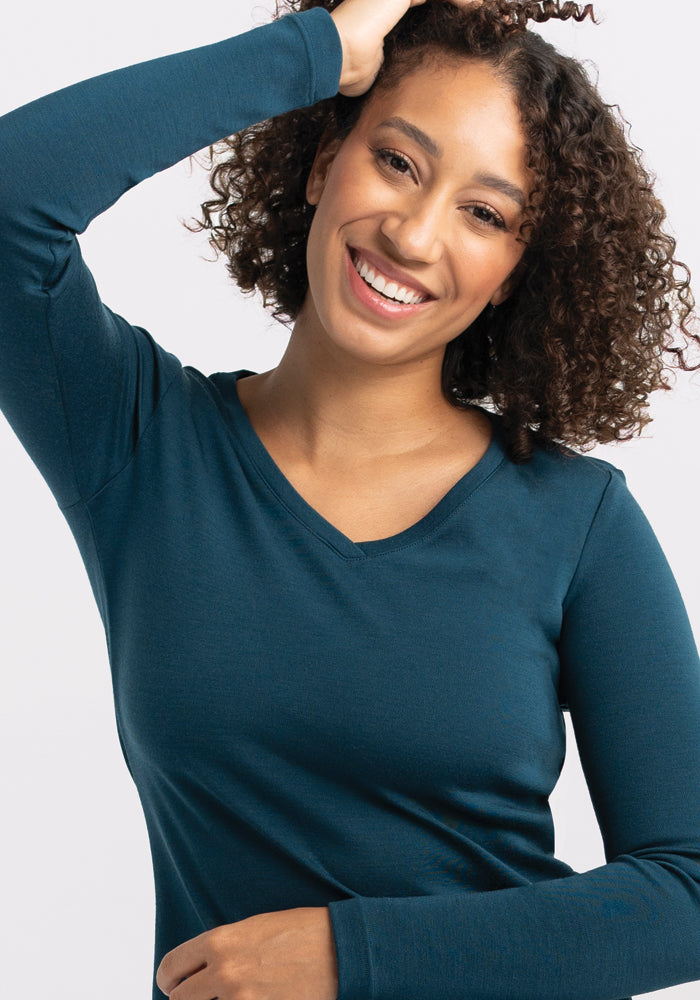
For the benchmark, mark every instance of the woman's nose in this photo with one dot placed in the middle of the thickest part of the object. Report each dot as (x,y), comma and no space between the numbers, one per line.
(417,232)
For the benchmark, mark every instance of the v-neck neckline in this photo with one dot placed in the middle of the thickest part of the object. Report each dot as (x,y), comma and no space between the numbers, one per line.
(322,528)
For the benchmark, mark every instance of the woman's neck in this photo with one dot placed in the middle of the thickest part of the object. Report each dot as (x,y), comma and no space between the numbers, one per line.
(355,413)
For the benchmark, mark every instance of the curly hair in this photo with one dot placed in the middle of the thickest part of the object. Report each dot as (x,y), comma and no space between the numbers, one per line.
(571,356)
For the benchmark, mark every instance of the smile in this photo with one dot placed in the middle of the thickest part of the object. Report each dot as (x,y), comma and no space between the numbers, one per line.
(385,286)
(371,298)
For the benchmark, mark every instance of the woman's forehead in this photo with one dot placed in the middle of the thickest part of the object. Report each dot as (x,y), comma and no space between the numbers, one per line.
(463,116)
(439,107)
(449,90)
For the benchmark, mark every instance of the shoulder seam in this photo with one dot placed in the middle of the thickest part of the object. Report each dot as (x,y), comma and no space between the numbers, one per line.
(132,454)
(48,302)
(585,542)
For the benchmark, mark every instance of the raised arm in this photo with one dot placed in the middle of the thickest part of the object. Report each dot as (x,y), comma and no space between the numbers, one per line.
(78,383)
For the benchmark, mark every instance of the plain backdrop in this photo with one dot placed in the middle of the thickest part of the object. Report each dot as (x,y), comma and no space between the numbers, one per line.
(77,906)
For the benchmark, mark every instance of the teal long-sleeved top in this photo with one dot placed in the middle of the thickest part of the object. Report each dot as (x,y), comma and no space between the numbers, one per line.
(309,720)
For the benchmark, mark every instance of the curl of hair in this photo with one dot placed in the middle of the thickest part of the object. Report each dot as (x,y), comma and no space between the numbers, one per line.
(569,359)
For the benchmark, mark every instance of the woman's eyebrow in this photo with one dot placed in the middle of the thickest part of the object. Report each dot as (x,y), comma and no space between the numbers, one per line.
(413,132)
(511,191)
(430,146)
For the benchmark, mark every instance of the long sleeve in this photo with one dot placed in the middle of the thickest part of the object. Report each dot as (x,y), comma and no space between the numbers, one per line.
(78,383)
(243,816)
(631,675)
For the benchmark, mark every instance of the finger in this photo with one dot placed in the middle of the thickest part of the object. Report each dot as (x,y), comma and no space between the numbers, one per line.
(201,986)
(180,963)
(381,17)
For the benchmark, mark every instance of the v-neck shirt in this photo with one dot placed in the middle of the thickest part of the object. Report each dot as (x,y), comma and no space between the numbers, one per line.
(375,727)
(298,507)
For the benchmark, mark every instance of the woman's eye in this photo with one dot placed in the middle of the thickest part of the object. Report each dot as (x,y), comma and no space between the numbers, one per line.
(390,155)
(488,216)
(484,215)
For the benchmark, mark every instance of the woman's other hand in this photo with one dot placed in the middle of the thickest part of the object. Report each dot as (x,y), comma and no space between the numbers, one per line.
(282,955)
(363,26)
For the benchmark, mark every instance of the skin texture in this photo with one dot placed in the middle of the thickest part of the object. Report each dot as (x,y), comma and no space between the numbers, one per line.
(347,373)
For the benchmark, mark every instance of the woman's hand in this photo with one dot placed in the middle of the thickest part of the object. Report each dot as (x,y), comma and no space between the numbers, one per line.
(363,26)
(284,955)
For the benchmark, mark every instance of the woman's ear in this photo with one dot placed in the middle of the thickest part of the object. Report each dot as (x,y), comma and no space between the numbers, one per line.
(318,175)
(500,296)
(510,284)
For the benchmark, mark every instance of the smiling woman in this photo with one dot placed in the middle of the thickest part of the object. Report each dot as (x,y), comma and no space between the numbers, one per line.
(347,607)
(594,294)
(428,227)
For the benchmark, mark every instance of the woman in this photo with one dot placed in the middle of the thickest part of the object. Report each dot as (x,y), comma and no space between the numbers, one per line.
(344,603)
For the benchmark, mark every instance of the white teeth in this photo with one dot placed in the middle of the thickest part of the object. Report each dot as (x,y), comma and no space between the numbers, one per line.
(389,289)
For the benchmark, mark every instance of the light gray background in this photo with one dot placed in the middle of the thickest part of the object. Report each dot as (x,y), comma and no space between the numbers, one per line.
(77,910)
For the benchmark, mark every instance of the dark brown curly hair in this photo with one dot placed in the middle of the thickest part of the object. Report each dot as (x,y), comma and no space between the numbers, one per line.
(571,356)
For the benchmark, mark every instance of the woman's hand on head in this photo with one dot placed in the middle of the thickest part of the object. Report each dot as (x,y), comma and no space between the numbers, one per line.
(363,25)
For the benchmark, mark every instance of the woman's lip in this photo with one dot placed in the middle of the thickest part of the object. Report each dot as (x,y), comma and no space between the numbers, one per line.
(379,304)
(389,271)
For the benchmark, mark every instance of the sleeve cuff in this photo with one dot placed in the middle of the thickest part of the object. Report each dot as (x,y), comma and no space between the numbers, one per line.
(324,48)
(352,950)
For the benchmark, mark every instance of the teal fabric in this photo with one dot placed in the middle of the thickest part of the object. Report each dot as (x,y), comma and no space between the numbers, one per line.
(313,721)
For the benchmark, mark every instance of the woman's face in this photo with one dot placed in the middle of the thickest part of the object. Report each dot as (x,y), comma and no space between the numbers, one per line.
(448,220)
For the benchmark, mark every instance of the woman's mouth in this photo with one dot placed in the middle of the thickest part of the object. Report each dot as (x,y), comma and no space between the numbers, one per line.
(382,303)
